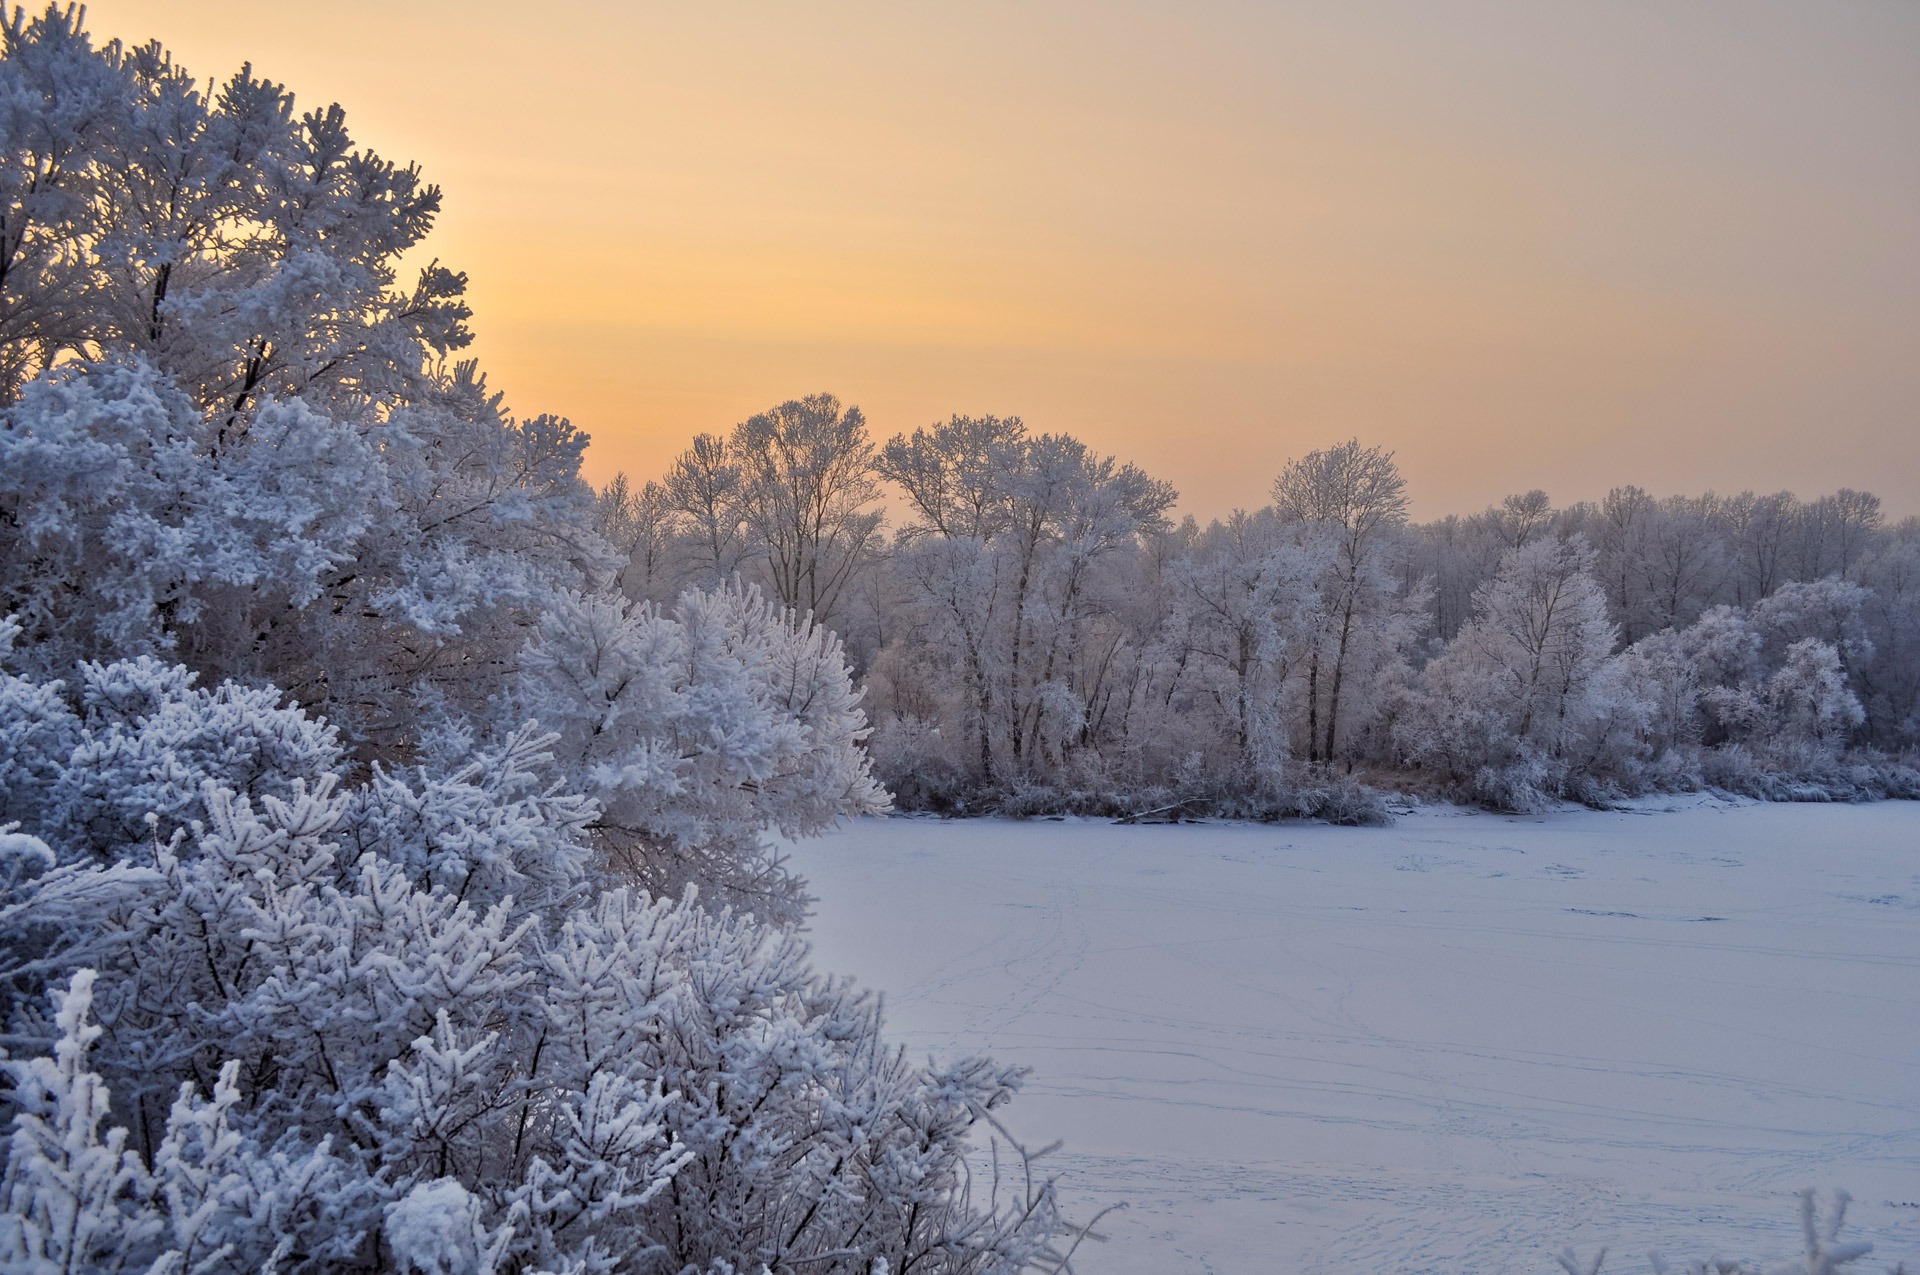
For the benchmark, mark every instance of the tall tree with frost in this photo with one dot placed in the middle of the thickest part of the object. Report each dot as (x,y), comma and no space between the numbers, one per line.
(1006,562)
(1244,600)
(1540,628)
(806,490)
(955,477)
(705,490)
(246,432)
(1760,529)
(1355,496)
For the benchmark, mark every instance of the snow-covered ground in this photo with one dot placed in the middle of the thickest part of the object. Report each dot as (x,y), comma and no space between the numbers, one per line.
(1453,1045)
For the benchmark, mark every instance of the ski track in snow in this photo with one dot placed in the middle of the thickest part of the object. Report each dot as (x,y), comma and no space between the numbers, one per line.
(1454,1045)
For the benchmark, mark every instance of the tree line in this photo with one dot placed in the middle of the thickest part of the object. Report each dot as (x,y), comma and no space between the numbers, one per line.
(1037,633)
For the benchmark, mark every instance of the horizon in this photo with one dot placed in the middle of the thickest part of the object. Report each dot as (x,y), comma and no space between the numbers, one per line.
(1568,251)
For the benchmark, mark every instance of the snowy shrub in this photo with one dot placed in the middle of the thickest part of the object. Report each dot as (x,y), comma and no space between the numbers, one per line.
(317,1026)
(916,758)
(698,728)
(1825,1253)
(1527,705)
(1808,703)
(496,826)
(1807,774)
(207,1198)
(1340,801)
(149,740)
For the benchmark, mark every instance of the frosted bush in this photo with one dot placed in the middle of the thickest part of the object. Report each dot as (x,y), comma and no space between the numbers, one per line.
(696,729)
(1527,705)
(309,1023)
(1824,1252)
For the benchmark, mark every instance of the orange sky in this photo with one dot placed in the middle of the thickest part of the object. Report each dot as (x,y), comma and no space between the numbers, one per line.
(1566,245)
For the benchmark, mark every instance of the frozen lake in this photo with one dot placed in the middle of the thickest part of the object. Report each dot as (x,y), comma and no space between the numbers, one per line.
(1453,1045)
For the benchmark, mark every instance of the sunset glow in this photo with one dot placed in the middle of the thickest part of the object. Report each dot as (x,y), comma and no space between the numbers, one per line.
(1521,245)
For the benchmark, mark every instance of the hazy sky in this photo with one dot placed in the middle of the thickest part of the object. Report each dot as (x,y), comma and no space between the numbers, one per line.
(1524,244)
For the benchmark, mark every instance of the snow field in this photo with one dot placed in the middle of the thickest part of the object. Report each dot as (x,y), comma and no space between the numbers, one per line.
(1451,1045)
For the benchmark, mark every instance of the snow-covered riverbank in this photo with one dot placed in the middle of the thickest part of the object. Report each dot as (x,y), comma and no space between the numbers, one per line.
(1450,1045)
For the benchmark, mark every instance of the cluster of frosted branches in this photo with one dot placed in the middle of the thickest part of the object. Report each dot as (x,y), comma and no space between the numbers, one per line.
(299,1023)
(1825,1253)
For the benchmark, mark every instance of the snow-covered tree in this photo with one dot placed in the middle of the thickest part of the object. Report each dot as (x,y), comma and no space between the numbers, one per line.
(248,250)
(1355,498)
(1808,703)
(1760,532)
(1827,610)
(806,492)
(699,728)
(705,491)
(1837,533)
(1016,569)
(1244,604)
(1526,701)
(227,414)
